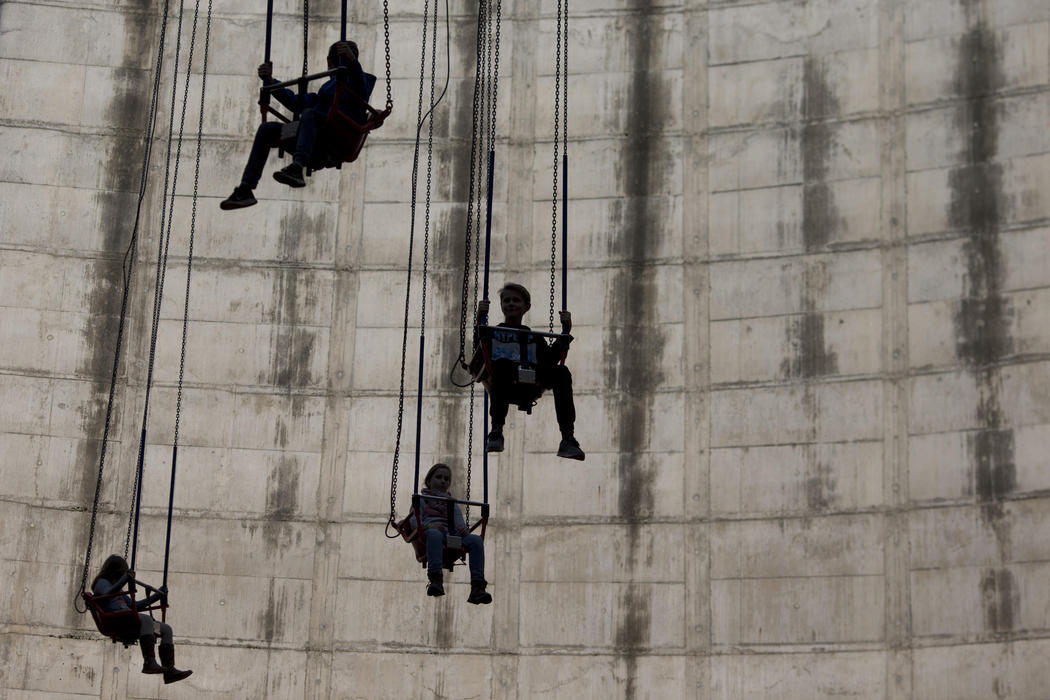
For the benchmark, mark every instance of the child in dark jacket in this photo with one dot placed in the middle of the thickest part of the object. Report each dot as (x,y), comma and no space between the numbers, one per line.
(435,529)
(515,302)
(112,578)
(315,108)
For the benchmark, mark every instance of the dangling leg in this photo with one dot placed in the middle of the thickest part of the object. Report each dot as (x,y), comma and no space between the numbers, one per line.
(167,655)
(475,547)
(267,136)
(559,379)
(147,639)
(292,175)
(502,377)
(435,545)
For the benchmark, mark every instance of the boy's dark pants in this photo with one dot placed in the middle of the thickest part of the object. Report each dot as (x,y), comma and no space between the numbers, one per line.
(268,136)
(557,378)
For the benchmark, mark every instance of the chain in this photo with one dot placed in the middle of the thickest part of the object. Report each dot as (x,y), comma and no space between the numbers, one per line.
(164,240)
(408,283)
(470,199)
(193,224)
(554,196)
(386,45)
(430,164)
(128,269)
(306,34)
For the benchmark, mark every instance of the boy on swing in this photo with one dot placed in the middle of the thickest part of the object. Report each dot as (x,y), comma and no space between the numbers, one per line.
(316,107)
(515,301)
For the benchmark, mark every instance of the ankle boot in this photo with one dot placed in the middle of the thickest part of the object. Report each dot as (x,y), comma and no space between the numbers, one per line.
(436,586)
(478,595)
(167,658)
(149,659)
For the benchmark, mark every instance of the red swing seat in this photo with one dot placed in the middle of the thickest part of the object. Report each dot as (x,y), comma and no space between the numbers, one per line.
(121,626)
(412,533)
(341,136)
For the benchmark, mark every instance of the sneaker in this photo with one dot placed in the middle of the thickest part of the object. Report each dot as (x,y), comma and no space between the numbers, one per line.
(291,175)
(435,589)
(242,197)
(494,443)
(570,449)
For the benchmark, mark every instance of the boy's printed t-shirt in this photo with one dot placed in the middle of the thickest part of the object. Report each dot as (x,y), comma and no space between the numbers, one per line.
(507,346)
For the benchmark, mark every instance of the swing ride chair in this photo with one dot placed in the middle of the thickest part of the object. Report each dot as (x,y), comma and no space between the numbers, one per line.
(526,389)
(121,625)
(341,136)
(411,529)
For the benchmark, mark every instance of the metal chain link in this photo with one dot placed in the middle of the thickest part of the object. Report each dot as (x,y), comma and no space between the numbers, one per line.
(193,225)
(554,196)
(306,34)
(408,284)
(127,269)
(164,240)
(475,123)
(386,45)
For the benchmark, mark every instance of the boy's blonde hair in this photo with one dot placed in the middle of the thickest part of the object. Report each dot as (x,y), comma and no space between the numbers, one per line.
(515,287)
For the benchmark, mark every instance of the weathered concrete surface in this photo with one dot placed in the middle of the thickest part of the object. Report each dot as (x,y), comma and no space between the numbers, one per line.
(810,281)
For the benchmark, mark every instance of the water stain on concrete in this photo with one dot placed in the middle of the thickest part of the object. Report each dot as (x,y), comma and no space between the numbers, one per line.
(982,317)
(634,340)
(820,217)
(1001,598)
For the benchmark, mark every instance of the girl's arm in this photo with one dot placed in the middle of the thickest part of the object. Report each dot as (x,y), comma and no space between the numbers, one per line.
(104,587)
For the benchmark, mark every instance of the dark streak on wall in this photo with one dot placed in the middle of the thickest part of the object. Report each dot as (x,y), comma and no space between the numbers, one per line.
(634,339)
(981,319)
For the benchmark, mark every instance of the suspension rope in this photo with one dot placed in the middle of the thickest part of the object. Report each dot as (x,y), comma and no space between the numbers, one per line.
(162,263)
(159,292)
(420,119)
(186,301)
(127,269)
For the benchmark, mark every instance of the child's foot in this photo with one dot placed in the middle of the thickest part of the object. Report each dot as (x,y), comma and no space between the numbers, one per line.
(436,586)
(570,449)
(478,595)
(242,197)
(494,443)
(291,175)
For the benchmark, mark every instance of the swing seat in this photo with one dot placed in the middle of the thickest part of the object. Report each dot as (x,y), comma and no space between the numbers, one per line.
(342,135)
(410,532)
(524,390)
(121,626)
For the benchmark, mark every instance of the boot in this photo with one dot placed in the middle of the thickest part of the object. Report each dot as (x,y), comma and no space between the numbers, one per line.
(167,658)
(436,586)
(478,595)
(149,660)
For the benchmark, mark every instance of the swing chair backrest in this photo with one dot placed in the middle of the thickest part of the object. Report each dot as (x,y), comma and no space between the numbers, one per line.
(342,135)
(120,626)
(344,131)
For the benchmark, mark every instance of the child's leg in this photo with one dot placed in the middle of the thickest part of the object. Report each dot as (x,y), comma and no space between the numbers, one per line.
(475,548)
(559,379)
(307,136)
(502,378)
(435,545)
(267,136)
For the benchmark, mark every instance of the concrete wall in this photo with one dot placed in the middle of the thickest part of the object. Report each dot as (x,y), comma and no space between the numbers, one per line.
(810,284)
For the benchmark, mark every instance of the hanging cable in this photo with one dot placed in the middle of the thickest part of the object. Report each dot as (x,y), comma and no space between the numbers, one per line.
(133,516)
(421,118)
(127,269)
(186,301)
